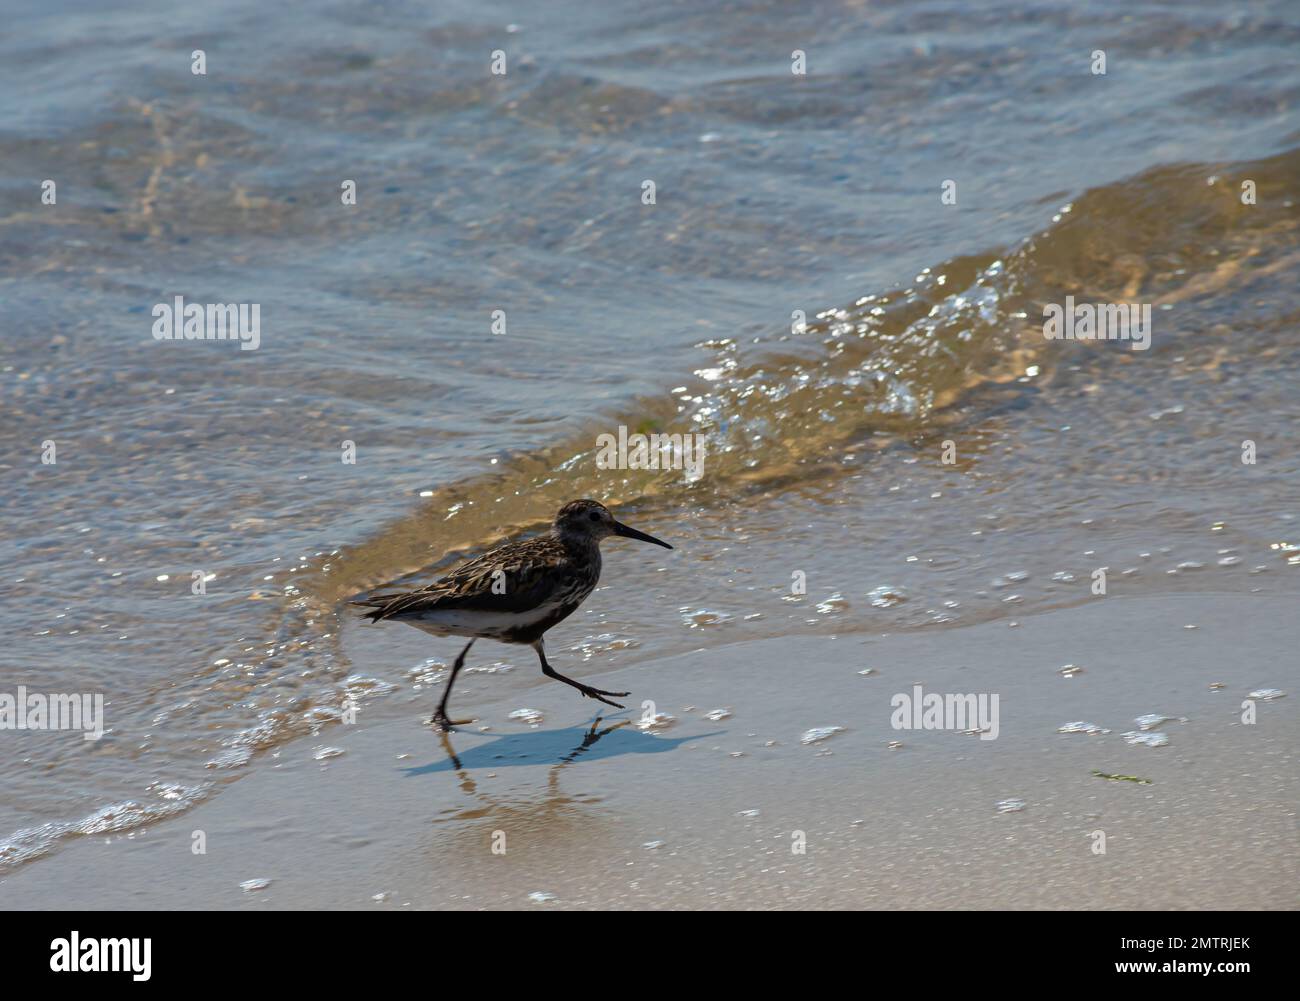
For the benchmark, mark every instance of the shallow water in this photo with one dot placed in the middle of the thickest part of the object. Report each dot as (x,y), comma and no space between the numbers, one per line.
(523,193)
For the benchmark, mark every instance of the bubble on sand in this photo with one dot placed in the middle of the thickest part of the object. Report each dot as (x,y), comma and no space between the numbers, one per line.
(886,596)
(324,753)
(1146,739)
(703,617)
(1152,720)
(1010,805)
(250,885)
(541,897)
(530,716)
(1266,694)
(1092,729)
(659,721)
(1070,670)
(717,714)
(819,733)
(835,603)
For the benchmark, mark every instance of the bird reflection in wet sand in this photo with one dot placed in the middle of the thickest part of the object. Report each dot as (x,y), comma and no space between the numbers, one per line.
(555,747)
(588,739)
(514,593)
(541,816)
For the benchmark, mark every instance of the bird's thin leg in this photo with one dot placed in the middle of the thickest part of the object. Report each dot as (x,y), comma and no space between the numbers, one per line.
(440,719)
(587,690)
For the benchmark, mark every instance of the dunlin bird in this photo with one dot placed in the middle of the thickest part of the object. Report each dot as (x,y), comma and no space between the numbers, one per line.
(514,593)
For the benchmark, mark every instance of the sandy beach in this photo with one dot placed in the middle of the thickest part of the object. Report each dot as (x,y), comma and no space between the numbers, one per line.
(951,348)
(704,812)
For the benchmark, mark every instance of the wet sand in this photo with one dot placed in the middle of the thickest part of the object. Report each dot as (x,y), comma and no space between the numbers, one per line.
(779,196)
(630,818)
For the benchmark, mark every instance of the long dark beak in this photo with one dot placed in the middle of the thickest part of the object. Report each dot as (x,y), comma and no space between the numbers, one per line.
(632,533)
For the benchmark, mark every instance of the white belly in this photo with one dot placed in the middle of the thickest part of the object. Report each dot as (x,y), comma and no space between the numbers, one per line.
(469,622)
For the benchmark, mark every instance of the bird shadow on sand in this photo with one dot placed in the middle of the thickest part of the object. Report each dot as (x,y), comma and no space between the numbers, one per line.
(553,747)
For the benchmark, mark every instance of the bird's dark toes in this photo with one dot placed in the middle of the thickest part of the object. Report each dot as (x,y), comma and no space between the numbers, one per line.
(597,694)
(601,691)
(441,722)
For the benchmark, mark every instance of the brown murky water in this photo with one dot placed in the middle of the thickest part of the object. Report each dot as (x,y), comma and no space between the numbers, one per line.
(825,443)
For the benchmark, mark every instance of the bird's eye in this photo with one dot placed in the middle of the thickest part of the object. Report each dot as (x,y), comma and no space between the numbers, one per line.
(594,516)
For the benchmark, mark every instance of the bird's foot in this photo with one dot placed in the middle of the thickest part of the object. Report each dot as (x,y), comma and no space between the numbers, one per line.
(599,693)
(441,722)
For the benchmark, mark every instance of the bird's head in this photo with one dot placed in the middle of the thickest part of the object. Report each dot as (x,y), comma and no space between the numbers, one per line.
(591,520)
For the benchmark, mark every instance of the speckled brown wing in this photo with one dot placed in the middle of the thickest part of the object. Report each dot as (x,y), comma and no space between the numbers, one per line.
(533,571)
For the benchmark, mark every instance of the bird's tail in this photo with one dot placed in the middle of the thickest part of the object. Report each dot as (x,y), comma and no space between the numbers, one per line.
(376,604)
